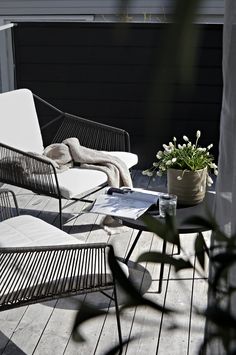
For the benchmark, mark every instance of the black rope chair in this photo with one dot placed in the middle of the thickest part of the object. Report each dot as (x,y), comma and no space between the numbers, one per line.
(19,168)
(34,274)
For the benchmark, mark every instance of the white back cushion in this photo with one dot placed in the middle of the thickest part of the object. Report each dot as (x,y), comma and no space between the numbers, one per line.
(19,121)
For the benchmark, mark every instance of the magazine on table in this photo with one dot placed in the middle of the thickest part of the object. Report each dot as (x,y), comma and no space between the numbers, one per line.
(125,202)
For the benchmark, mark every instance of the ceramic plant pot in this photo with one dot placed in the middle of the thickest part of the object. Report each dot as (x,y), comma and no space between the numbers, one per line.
(191,189)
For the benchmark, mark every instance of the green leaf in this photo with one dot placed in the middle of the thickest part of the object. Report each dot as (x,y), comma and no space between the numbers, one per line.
(220,317)
(219,236)
(166,230)
(200,248)
(85,313)
(172,233)
(231,242)
(223,262)
(135,297)
(201,222)
(155,225)
(207,340)
(208,224)
(156,257)
(225,258)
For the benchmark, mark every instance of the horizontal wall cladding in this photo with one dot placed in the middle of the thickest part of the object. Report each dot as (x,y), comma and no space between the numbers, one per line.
(96,71)
(73,7)
(84,73)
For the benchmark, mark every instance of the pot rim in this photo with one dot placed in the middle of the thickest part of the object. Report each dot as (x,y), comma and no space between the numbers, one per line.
(188,171)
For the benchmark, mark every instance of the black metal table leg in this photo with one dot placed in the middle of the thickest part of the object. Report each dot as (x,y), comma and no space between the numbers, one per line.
(178,250)
(133,246)
(162,267)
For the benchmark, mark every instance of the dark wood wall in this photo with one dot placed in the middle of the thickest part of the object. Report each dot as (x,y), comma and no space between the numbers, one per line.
(106,72)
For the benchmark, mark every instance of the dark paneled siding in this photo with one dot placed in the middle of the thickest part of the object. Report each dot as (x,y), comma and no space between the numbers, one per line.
(95,71)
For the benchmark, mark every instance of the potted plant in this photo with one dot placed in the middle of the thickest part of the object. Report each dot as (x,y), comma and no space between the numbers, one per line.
(187,167)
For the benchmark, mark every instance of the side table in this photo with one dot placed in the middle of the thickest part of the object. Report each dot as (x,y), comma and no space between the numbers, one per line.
(182,213)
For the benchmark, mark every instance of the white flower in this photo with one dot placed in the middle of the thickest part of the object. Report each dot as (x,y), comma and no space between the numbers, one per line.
(201,149)
(174,139)
(163,168)
(189,144)
(174,160)
(198,134)
(213,166)
(149,173)
(159,173)
(216,172)
(169,162)
(171,145)
(179,178)
(180,146)
(144,172)
(184,145)
(155,164)
(159,154)
(185,138)
(210,146)
(209,181)
(166,147)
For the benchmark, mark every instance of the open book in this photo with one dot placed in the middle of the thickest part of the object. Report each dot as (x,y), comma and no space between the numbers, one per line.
(125,202)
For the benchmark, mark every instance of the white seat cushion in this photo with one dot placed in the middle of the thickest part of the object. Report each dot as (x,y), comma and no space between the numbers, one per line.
(130,159)
(75,182)
(19,121)
(25,230)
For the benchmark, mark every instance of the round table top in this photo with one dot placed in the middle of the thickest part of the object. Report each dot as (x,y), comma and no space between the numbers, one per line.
(182,213)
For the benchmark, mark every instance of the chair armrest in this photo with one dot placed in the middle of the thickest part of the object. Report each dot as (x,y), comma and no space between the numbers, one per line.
(28,171)
(8,204)
(49,248)
(34,274)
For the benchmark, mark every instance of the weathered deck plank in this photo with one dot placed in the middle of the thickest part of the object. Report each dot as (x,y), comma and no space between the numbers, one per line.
(30,328)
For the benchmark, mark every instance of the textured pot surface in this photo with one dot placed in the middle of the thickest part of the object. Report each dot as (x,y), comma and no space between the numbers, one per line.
(191,189)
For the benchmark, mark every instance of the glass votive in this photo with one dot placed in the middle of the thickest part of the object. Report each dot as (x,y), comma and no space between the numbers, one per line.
(167,204)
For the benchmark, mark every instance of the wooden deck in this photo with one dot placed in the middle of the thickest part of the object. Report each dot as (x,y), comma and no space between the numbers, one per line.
(45,328)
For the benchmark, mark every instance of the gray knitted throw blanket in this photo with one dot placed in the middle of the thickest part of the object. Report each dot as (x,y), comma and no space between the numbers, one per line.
(70,152)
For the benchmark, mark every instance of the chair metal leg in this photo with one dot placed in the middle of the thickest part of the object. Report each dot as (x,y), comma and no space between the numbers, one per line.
(60,214)
(118,320)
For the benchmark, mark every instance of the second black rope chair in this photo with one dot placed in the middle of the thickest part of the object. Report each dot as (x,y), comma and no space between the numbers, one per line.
(33,271)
